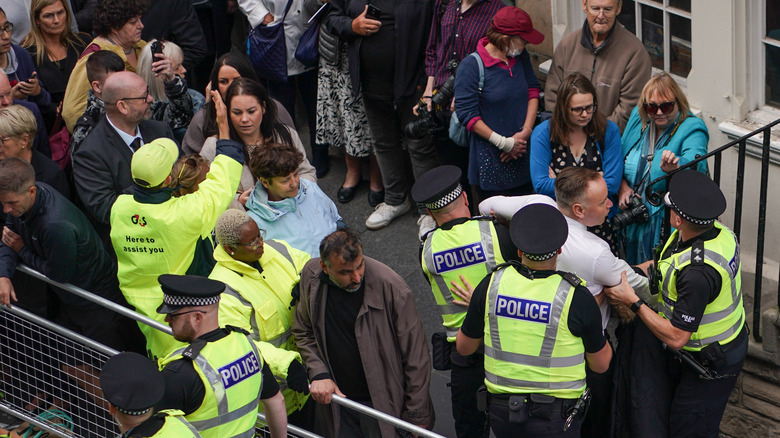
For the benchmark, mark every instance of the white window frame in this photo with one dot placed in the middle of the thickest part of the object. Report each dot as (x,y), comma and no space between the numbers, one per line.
(757,41)
(666,10)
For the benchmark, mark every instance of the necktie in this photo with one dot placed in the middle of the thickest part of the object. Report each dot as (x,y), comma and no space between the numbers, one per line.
(135,144)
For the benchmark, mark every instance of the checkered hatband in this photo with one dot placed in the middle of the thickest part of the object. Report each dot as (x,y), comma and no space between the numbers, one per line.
(126,412)
(446,199)
(180,301)
(670,202)
(540,257)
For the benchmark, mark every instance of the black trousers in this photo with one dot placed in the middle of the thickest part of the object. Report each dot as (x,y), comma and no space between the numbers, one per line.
(598,421)
(531,427)
(466,376)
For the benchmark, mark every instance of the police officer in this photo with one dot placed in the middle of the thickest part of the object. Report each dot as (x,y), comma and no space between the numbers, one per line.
(454,256)
(540,327)
(132,385)
(700,308)
(220,378)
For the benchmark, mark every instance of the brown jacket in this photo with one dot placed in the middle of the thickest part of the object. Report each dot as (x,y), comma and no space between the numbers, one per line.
(389,333)
(619,69)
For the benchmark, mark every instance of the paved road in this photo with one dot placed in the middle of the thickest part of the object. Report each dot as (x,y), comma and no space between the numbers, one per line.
(396,246)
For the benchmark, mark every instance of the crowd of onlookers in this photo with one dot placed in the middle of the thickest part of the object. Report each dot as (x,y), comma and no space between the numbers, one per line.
(129,130)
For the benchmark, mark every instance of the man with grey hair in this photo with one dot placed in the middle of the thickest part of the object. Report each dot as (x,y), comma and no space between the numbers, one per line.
(347,302)
(48,233)
(261,275)
(101,165)
(610,56)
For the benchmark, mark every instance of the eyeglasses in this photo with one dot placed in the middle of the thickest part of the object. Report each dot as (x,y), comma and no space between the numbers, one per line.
(578,110)
(144,97)
(652,108)
(174,315)
(9,27)
(254,244)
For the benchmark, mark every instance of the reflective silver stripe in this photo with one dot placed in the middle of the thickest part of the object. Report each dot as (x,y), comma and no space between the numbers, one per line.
(555,318)
(215,380)
(495,339)
(449,308)
(204,425)
(505,381)
(281,249)
(252,318)
(718,259)
(487,245)
(281,339)
(189,426)
(535,361)
(701,343)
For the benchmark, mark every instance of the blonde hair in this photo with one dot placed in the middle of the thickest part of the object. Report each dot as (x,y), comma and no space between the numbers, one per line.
(229,224)
(16,120)
(188,172)
(663,85)
(145,61)
(67,38)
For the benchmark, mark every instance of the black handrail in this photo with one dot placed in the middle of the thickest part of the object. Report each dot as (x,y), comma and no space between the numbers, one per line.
(656,198)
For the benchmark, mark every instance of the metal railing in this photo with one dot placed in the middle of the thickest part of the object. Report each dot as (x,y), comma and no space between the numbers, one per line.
(656,198)
(68,340)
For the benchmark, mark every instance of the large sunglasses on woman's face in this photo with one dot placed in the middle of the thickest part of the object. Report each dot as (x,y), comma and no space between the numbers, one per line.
(652,108)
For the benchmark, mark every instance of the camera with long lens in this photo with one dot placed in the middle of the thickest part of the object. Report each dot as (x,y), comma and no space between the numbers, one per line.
(636,213)
(435,120)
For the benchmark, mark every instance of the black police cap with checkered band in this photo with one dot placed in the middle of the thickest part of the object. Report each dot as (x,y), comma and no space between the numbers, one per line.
(438,187)
(539,231)
(187,291)
(132,383)
(695,197)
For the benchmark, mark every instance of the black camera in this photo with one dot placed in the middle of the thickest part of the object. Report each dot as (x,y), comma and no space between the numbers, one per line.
(636,213)
(429,122)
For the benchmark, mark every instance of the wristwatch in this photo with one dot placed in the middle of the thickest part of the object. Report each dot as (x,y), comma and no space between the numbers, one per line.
(635,307)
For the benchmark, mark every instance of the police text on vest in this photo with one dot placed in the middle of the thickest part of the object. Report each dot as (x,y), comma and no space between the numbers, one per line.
(527,310)
(460,257)
(239,370)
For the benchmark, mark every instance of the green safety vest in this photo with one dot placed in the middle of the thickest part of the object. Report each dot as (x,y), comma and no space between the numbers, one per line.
(176,426)
(528,346)
(470,249)
(724,317)
(260,304)
(231,370)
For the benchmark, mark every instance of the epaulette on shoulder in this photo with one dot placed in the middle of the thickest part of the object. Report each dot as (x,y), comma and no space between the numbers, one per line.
(571,278)
(697,252)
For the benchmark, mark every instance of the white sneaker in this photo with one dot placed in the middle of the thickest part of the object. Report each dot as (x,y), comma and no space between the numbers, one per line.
(426,224)
(384,214)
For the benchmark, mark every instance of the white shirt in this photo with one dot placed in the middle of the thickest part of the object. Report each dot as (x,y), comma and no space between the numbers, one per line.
(584,254)
(127,138)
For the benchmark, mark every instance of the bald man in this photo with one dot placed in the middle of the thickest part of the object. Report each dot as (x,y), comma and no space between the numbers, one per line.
(101,165)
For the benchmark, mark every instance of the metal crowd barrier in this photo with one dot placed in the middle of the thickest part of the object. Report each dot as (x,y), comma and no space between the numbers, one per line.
(42,361)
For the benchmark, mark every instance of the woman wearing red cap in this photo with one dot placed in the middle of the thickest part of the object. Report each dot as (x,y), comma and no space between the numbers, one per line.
(500,116)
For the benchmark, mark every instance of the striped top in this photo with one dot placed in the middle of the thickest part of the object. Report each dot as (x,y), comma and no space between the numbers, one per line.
(454,34)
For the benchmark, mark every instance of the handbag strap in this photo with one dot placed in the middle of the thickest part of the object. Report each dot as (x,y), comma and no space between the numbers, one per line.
(481,71)
(286,9)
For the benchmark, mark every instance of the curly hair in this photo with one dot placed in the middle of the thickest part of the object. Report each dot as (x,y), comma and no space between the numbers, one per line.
(113,14)
(275,159)
(229,224)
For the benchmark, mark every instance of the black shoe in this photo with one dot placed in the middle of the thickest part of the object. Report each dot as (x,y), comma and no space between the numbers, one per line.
(375,198)
(345,194)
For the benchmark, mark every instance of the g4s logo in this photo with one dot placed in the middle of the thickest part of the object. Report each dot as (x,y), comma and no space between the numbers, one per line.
(138,220)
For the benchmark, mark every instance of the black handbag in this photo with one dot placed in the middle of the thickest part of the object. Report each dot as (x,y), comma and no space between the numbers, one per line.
(267,50)
(308,50)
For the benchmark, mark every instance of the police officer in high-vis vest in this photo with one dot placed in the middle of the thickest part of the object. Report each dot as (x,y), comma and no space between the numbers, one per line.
(701,318)
(540,328)
(132,385)
(457,254)
(220,378)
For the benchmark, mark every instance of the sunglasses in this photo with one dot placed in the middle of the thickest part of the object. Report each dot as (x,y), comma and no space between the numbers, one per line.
(652,108)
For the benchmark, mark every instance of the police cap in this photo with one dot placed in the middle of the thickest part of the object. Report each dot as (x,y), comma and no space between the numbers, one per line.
(695,197)
(538,231)
(187,291)
(438,187)
(132,383)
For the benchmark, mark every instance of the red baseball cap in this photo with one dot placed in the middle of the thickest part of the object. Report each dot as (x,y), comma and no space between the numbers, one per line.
(515,21)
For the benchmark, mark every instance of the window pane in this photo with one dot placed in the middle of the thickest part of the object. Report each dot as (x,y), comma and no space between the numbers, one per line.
(627,16)
(772,75)
(685,5)
(680,55)
(772,18)
(653,35)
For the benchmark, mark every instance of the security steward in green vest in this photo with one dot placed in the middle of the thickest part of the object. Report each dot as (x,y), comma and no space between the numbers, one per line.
(132,385)
(540,328)
(454,256)
(700,309)
(220,378)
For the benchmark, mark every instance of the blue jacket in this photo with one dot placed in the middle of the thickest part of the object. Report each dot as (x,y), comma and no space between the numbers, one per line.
(23,71)
(691,139)
(541,156)
(302,221)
